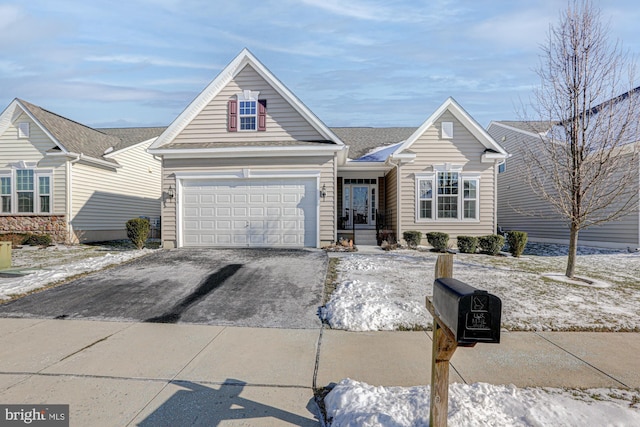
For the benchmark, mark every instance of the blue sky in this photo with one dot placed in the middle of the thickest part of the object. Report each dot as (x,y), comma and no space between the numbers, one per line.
(352,62)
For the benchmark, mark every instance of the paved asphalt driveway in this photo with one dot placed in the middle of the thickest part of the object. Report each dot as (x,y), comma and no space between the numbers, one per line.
(278,288)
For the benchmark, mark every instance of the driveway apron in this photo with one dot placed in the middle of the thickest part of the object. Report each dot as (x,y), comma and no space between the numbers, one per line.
(280,288)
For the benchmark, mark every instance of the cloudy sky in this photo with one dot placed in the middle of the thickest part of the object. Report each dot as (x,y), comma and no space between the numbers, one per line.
(352,62)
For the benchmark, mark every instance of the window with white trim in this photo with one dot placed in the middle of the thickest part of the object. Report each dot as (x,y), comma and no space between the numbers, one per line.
(248,114)
(470,198)
(25,191)
(447,195)
(5,193)
(425,198)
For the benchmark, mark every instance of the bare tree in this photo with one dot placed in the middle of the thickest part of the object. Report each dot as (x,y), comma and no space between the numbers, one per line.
(586,165)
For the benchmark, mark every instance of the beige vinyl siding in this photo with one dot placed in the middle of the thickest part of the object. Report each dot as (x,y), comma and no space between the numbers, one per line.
(391,198)
(464,149)
(284,123)
(34,149)
(324,164)
(520,209)
(105,199)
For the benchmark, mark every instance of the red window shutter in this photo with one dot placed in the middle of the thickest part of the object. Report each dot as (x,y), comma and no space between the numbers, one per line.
(262,114)
(232,116)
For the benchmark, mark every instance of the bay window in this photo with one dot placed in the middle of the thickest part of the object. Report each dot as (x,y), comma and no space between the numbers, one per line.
(447,195)
(25,191)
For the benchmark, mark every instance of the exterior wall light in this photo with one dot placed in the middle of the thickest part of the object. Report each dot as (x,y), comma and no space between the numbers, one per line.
(323,192)
(170,192)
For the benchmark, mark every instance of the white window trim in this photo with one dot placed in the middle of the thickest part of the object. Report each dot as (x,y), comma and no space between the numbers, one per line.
(432,176)
(247,95)
(37,174)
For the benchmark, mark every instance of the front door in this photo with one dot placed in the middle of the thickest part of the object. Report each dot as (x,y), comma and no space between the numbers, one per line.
(360,205)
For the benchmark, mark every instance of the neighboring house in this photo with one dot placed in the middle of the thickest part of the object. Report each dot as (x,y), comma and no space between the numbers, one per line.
(248,164)
(70,181)
(519,208)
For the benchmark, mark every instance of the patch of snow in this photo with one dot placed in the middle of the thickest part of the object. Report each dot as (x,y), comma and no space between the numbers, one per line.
(378,154)
(353,403)
(50,275)
(387,291)
(578,281)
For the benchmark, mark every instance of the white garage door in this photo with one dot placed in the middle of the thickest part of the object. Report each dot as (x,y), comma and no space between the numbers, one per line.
(250,212)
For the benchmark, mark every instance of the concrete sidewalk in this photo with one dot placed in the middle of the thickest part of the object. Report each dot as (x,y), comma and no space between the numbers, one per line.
(117,374)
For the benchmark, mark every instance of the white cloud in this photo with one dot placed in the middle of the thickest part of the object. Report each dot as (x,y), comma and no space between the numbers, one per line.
(385,11)
(9,15)
(147,60)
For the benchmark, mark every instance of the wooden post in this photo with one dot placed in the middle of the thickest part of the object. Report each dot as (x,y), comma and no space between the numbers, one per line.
(444,345)
(444,266)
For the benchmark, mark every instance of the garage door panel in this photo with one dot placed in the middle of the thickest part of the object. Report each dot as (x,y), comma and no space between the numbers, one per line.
(247,212)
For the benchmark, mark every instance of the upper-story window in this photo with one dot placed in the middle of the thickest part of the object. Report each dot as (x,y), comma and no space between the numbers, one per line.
(247,112)
(25,191)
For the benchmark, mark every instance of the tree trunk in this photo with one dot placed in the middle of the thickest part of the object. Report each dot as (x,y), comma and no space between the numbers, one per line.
(573,251)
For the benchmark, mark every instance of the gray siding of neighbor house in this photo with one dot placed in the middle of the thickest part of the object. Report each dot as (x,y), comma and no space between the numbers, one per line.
(464,149)
(520,209)
(105,199)
(33,149)
(324,164)
(284,123)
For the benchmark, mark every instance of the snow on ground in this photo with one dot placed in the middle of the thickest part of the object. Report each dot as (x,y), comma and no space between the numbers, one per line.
(353,403)
(54,264)
(387,291)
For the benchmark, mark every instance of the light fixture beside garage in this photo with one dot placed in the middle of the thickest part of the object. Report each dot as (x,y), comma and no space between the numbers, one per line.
(323,192)
(170,192)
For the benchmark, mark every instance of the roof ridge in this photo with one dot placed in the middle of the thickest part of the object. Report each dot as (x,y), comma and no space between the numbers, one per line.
(29,104)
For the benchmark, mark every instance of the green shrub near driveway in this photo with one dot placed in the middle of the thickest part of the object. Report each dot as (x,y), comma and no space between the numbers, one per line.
(413,238)
(438,240)
(491,244)
(517,240)
(467,244)
(138,230)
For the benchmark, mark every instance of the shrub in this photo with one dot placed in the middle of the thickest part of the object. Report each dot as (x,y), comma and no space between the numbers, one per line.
(413,238)
(491,244)
(467,244)
(37,240)
(517,241)
(138,230)
(438,240)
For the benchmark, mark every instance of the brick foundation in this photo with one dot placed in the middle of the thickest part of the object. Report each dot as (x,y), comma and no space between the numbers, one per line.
(53,225)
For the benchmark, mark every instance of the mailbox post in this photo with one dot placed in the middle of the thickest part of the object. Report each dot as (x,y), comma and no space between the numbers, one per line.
(462,316)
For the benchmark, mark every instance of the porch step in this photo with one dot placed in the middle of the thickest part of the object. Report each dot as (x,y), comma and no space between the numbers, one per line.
(366,237)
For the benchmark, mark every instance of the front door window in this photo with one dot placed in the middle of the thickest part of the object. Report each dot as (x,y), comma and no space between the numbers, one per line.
(360,204)
(360,207)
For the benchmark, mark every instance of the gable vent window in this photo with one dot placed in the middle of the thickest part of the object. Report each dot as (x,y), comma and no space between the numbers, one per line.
(447,130)
(23,130)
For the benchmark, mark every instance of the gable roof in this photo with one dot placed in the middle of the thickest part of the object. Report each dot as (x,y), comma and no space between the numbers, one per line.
(243,59)
(531,126)
(73,138)
(450,105)
(363,140)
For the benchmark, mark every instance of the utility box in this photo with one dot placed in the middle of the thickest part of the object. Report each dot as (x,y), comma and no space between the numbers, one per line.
(471,314)
(5,255)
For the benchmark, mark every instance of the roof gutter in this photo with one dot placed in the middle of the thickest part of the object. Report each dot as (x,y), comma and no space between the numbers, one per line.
(87,159)
(178,153)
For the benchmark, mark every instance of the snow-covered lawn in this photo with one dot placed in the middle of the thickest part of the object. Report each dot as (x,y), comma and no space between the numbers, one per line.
(54,264)
(353,403)
(387,291)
